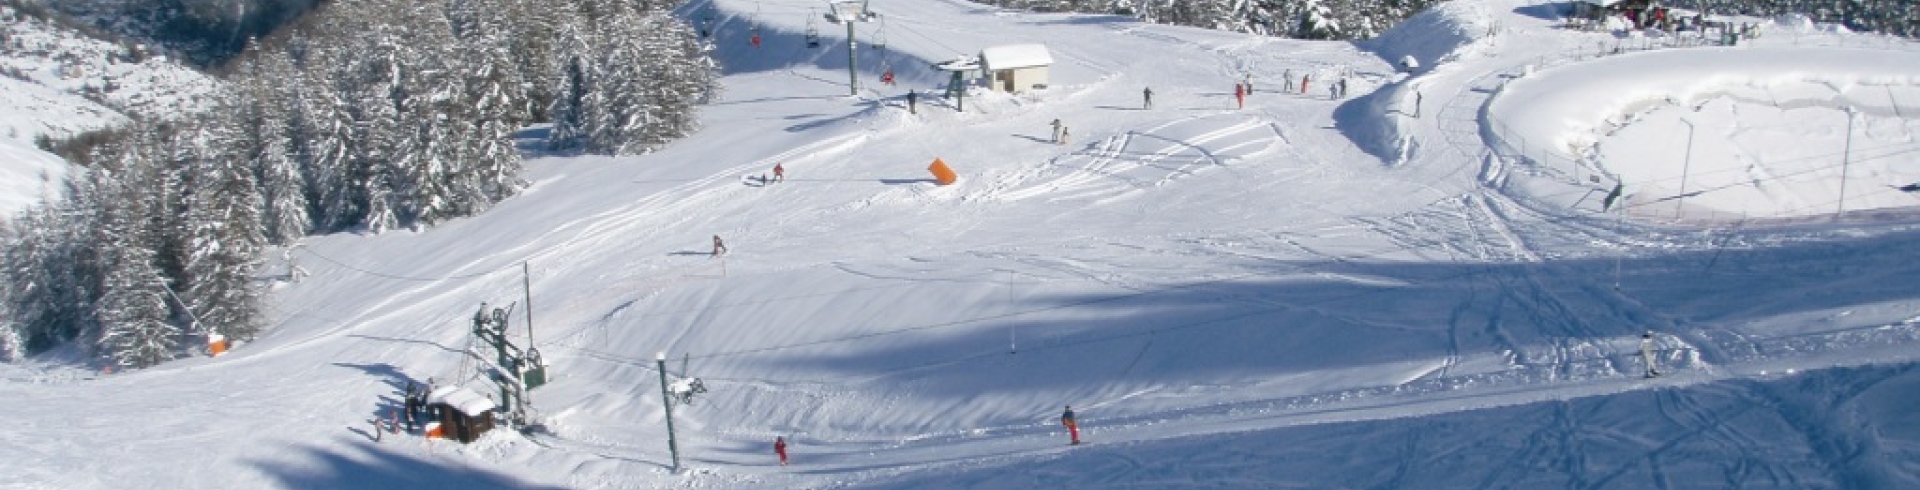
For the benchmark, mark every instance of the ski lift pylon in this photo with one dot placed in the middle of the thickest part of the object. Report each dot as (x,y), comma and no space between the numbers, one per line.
(848,11)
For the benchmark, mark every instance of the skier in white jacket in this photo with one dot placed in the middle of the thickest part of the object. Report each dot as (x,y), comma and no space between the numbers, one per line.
(1646,354)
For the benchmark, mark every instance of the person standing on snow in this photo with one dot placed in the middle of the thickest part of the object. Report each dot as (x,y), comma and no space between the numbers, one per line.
(719,247)
(412,405)
(913,99)
(1239,96)
(779,173)
(1073,429)
(426,400)
(1056,131)
(780,448)
(1646,354)
(1064,135)
(1146,98)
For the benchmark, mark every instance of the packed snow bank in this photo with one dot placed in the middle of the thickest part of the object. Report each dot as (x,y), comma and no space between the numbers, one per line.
(1434,36)
(1375,121)
(1729,132)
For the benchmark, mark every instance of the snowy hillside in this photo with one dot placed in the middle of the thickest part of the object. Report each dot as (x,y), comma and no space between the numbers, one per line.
(1402,288)
(58,83)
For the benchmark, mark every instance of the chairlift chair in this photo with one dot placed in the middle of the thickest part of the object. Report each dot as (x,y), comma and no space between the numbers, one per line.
(706,22)
(813,34)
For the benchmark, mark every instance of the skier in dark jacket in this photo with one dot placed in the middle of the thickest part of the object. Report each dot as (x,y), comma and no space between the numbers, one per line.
(1073,428)
(413,405)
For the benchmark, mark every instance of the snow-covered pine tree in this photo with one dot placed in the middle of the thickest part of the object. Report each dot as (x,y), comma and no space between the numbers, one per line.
(133,314)
(1317,22)
(13,345)
(262,115)
(575,83)
(621,112)
(495,109)
(681,62)
(134,318)
(629,80)
(224,239)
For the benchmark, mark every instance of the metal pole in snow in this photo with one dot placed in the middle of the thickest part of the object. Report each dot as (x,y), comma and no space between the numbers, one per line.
(853,76)
(1846,159)
(667,399)
(526,285)
(1684,169)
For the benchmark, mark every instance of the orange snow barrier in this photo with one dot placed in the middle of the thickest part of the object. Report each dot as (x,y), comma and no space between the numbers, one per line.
(216,345)
(941,173)
(434,431)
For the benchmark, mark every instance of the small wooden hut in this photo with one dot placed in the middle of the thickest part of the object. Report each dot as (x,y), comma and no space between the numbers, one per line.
(1016,67)
(464,414)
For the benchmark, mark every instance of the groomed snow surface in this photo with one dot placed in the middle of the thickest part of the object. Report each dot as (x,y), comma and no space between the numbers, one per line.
(1229,297)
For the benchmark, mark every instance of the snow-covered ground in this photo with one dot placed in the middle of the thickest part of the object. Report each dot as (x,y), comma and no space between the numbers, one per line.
(1383,291)
(57,83)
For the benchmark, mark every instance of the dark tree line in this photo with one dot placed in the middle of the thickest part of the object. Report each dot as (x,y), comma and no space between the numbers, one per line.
(1897,17)
(1362,19)
(1303,19)
(363,116)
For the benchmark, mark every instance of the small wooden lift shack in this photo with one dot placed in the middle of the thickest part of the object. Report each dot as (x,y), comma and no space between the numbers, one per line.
(463,414)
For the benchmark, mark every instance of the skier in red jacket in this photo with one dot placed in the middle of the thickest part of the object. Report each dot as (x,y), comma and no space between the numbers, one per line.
(780,448)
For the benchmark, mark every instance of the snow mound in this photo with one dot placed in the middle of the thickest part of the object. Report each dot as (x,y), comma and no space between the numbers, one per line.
(1772,126)
(1434,36)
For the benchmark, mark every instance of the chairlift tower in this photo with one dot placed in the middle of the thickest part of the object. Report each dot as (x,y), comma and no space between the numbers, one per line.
(847,12)
(517,371)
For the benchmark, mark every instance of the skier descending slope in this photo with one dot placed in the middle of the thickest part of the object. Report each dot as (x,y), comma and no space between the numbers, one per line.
(1646,354)
(1073,429)
(780,448)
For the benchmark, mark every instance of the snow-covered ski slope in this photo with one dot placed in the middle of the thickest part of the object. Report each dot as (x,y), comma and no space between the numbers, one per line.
(1304,293)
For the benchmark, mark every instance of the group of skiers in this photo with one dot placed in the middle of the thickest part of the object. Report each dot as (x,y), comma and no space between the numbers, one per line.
(415,409)
(1336,90)
(1241,89)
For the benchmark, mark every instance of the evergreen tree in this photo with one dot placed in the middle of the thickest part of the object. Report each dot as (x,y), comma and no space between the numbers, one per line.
(262,115)
(13,344)
(134,319)
(225,239)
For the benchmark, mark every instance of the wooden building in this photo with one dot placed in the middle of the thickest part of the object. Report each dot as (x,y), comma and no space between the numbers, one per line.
(1016,67)
(463,414)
